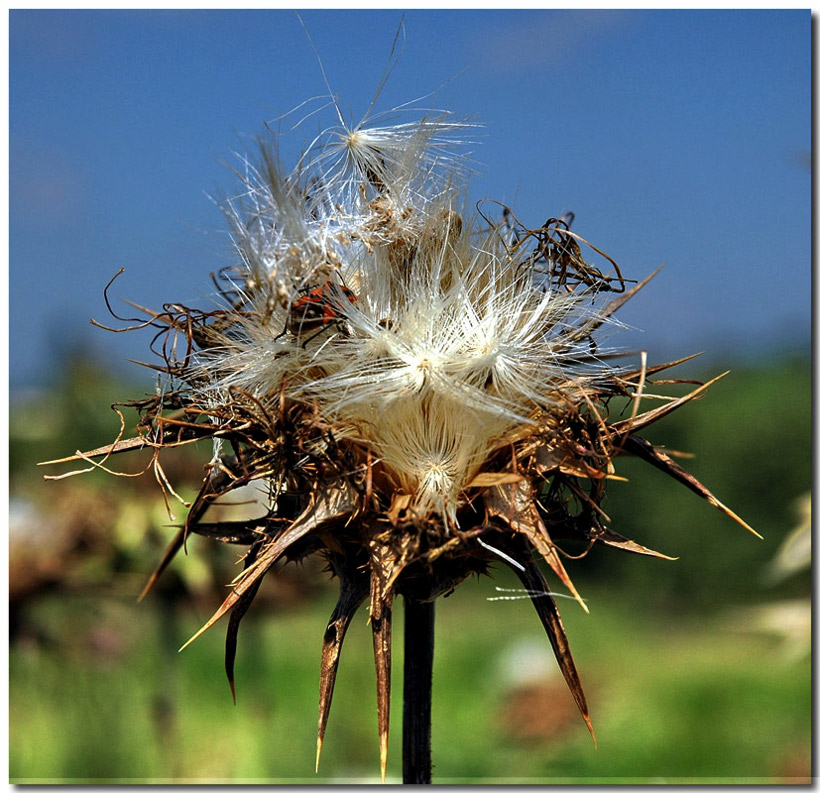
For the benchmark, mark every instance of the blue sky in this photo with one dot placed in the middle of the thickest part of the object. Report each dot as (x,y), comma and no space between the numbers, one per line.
(677,137)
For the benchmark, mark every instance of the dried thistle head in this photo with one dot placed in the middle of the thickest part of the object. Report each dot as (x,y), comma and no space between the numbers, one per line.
(425,389)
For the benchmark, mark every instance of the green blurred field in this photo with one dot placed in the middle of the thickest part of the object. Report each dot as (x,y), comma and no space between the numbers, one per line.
(683,684)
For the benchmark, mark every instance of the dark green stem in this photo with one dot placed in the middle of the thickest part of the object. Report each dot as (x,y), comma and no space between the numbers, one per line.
(419,621)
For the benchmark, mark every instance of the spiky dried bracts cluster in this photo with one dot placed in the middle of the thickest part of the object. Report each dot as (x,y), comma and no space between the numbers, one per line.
(424,387)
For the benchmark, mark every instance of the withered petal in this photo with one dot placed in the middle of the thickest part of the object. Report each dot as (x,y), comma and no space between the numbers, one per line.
(215,483)
(353,588)
(232,532)
(609,309)
(514,504)
(130,444)
(658,367)
(167,558)
(534,582)
(646,451)
(237,613)
(612,538)
(333,504)
(631,425)
(382,569)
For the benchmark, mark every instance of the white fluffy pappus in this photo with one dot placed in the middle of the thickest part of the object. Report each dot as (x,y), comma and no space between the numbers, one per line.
(425,337)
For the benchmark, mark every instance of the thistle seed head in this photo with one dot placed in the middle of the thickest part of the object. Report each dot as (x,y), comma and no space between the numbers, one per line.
(426,389)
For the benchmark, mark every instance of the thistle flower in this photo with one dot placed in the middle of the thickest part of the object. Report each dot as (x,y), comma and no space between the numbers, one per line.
(424,389)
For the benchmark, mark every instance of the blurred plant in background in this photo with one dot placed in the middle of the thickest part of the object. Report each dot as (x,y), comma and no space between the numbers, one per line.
(787,619)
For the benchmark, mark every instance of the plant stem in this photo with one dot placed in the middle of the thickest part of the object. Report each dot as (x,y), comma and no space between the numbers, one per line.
(419,621)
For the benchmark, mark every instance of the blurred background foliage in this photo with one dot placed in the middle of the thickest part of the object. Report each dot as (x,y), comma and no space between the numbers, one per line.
(696,669)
